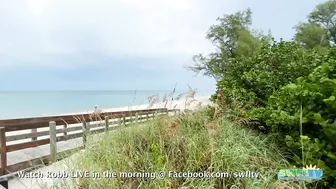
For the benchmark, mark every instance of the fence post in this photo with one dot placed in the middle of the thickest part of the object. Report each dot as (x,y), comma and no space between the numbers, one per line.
(106,123)
(84,133)
(33,131)
(3,156)
(136,118)
(53,142)
(147,116)
(65,133)
(124,119)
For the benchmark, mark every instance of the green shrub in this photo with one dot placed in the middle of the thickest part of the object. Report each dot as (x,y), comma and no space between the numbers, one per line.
(252,80)
(272,84)
(316,92)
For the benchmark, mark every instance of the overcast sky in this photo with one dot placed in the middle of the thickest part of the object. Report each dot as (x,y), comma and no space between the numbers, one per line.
(121,44)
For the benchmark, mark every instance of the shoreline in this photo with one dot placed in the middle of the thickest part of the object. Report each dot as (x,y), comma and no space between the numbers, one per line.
(175,104)
(22,105)
(179,104)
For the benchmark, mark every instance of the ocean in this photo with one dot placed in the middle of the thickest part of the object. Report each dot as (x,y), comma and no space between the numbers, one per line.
(18,104)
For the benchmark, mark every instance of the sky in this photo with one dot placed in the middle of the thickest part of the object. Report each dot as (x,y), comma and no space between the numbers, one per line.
(122,44)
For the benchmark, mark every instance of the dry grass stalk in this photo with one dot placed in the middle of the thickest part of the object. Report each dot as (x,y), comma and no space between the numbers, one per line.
(155,99)
(152,100)
(212,129)
(218,105)
(170,125)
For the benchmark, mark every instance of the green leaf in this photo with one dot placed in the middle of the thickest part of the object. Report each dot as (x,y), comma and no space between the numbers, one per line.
(330,99)
(291,86)
(332,156)
(304,137)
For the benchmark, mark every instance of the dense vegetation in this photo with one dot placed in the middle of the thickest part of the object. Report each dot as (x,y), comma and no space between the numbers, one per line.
(193,142)
(289,87)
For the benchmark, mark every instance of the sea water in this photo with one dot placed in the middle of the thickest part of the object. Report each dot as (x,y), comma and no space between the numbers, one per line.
(17,104)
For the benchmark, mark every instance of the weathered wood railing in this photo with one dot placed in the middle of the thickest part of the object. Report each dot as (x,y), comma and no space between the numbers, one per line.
(84,123)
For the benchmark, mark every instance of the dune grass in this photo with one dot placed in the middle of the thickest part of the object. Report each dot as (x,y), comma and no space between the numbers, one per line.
(190,142)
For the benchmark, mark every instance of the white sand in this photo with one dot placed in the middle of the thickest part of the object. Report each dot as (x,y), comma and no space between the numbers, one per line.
(176,104)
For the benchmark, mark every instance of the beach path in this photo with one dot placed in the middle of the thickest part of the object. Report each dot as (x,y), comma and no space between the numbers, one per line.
(44,150)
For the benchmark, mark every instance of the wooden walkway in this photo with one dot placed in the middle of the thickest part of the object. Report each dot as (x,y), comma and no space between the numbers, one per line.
(57,140)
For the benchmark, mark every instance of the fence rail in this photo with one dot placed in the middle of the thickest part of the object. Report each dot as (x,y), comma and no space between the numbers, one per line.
(84,123)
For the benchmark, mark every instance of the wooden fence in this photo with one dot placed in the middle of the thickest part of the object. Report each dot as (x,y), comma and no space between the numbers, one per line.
(87,123)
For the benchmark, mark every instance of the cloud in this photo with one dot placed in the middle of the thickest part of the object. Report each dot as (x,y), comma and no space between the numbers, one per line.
(34,29)
(127,76)
(66,44)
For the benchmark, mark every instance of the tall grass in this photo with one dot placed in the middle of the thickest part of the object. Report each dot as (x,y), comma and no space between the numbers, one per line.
(198,141)
(189,142)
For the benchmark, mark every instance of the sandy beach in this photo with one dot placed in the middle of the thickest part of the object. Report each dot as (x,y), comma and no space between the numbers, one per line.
(181,104)
(176,104)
